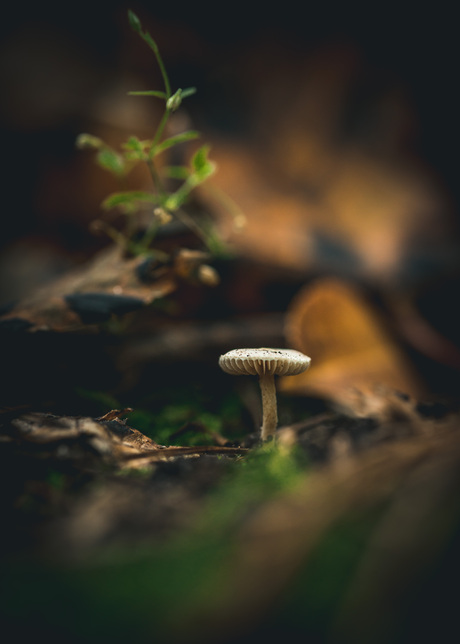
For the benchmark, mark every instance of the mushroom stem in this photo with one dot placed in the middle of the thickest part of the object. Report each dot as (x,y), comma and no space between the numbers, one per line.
(270,415)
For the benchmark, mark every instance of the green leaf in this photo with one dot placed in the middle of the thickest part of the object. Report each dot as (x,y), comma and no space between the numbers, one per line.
(146,37)
(134,21)
(85,141)
(189,135)
(200,158)
(201,165)
(111,160)
(188,92)
(175,201)
(176,171)
(202,168)
(128,198)
(148,92)
(134,144)
(135,150)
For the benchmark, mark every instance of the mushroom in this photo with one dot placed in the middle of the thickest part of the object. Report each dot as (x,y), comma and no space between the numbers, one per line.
(265,363)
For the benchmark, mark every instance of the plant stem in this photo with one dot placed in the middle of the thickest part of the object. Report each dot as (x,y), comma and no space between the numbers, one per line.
(163,70)
(270,414)
(154,47)
(149,236)
(153,171)
(188,221)
(159,132)
(155,178)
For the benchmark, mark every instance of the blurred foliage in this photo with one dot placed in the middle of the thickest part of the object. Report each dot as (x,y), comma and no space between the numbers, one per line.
(116,593)
(313,600)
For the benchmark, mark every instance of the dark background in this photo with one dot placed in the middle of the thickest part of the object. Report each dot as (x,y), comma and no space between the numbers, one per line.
(55,59)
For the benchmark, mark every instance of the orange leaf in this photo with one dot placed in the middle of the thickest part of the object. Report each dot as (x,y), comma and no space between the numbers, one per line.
(351,349)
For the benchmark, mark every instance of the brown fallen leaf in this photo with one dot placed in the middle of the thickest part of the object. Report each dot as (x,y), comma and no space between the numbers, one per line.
(115,414)
(276,232)
(110,284)
(354,357)
(316,194)
(106,439)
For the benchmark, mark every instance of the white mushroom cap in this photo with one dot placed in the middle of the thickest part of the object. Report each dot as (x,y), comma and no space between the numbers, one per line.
(259,362)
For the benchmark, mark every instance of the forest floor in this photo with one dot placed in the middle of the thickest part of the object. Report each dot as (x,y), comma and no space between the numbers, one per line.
(138,501)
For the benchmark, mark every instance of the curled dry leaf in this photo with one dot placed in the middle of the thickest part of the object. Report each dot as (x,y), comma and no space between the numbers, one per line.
(115,414)
(107,439)
(355,360)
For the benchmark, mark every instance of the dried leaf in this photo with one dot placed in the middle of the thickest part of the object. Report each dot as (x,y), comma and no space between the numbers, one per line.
(110,284)
(104,439)
(353,354)
(115,414)
(324,194)
(276,230)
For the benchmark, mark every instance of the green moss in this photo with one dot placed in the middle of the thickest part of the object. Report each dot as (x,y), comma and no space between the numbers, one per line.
(188,416)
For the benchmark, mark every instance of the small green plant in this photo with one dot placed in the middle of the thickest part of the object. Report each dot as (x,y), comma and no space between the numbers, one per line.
(165,204)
